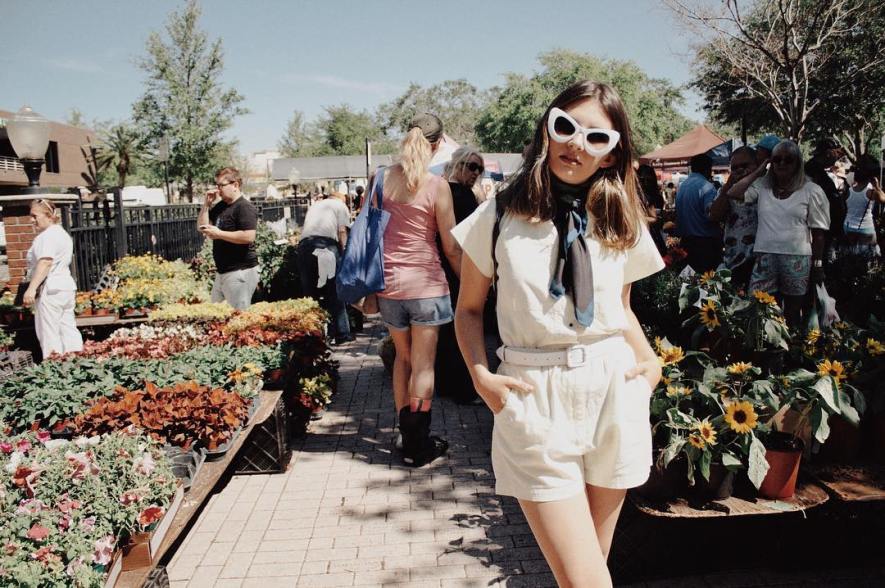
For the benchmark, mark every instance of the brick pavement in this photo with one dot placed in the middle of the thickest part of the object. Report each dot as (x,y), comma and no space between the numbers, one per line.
(347,513)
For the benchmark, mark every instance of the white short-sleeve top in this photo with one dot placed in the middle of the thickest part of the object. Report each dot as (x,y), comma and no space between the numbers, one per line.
(54,242)
(528,316)
(785,224)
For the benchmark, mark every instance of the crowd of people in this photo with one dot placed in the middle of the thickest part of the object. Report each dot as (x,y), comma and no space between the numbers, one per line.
(778,220)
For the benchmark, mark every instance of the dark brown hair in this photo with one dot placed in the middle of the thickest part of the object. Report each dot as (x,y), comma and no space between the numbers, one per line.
(231,174)
(613,201)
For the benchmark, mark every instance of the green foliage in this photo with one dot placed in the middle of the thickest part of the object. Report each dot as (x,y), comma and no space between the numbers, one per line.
(651,103)
(457,103)
(184,98)
(119,149)
(345,131)
(301,139)
(270,254)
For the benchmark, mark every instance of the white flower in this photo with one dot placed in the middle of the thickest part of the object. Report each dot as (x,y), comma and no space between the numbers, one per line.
(14,460)
(54,444)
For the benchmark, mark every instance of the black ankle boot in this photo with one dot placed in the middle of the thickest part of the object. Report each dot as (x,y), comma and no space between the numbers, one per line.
(419,447)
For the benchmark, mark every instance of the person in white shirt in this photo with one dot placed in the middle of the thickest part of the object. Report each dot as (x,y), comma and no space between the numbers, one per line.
(52,289)
(323,239)
(564,241)
(794,215)
(863,196)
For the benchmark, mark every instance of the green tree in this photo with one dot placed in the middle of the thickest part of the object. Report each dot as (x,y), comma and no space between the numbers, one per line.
(75,118)
(345,130)
(184,98)
(302,139)
(457,103)
(509,120)
(760,62)
(120,150)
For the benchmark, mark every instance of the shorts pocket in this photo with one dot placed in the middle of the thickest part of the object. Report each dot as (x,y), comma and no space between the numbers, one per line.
(522,422)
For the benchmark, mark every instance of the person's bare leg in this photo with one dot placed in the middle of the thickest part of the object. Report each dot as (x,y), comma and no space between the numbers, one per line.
(402,367)
(605,507)
(423,357)
(566,534)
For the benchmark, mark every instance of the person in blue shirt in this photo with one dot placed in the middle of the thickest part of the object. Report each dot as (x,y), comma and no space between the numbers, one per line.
(701,237)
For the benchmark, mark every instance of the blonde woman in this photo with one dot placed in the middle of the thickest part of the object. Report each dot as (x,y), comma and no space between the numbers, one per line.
(794,216)
(52,290)
(416,300)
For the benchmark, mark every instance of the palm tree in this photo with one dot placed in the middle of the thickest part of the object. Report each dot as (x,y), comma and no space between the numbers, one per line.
(119,148)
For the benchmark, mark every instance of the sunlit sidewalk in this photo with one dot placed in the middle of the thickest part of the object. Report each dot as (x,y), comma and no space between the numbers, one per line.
(348,513)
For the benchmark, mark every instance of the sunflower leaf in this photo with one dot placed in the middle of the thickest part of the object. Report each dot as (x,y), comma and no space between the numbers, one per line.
(758,465)
(672,451)
(824,388)
(820,423)
(704,464)
(730,461)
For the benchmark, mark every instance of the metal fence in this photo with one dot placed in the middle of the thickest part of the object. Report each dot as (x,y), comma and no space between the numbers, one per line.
(101,236)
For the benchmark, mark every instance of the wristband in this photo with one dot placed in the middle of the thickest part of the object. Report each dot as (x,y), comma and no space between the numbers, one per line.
(818,263)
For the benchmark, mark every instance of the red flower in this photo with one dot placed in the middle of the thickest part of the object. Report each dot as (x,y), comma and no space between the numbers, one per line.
(6,448)
(150,515)
(38,532)
(23,445)
(43,436)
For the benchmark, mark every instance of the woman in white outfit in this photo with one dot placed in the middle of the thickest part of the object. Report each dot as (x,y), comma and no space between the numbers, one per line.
(49,263)
(571,399)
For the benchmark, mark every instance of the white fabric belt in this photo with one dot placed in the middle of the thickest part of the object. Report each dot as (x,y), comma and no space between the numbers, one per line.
(574,356)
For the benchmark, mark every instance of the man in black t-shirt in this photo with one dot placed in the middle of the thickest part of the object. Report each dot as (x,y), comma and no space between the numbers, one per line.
(826,152)
(231,225)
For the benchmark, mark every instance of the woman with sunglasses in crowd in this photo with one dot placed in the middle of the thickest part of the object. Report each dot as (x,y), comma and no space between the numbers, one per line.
(52,289)
(452,378)
(415,300)
(793,218)
(571,398)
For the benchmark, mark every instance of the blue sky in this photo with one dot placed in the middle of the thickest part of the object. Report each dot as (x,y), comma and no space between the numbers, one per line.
(57,55)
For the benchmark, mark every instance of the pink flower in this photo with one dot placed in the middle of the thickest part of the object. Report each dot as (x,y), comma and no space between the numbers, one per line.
(38,532)
(66,505)
(73,566)
(82,465)
(30,506)
(150,515)
(145,464)
(23,445)
(43,436)
(10,548)
(104,550)
(64,523)
(129,497)
(88,523)
(6,448)
(46,555)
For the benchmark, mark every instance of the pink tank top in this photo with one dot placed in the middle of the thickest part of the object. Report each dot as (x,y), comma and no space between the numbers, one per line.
(411,258)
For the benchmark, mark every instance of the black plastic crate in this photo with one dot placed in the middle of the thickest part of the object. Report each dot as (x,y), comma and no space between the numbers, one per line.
(266,450)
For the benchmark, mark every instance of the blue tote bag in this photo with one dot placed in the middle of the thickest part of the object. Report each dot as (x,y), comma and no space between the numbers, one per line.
(362,267)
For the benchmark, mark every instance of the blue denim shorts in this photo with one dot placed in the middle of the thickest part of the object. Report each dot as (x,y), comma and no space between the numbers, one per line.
(422,312)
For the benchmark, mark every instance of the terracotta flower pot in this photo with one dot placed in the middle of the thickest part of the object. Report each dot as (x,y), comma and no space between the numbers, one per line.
(783,467)
(102,311)
(86,312)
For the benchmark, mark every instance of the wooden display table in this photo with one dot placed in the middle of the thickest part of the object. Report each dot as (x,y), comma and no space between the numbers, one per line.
(200,491)
(808,495)
(851,483)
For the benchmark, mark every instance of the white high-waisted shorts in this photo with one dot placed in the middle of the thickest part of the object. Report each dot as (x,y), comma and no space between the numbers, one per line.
(580,425)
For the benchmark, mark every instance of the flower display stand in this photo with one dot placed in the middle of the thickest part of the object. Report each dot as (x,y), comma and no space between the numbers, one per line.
(851,483)
(114,570)
(204,484)
(143,547)
(266,450)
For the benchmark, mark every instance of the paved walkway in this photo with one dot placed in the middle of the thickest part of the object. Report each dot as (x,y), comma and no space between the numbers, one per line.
(347,513)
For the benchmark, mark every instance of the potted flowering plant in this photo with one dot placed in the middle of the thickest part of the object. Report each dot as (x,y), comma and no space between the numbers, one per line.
(713,422)
(6,341)
(105,302)
(316,392)
(83,304)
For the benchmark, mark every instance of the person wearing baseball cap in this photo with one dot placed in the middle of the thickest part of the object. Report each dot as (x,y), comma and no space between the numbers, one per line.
(826,152)
(765,146)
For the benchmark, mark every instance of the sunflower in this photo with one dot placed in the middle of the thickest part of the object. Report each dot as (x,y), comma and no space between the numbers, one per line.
(666,380)
(658,343)
(707,432)
(741,417)
(812,337)
(739,368)
(707,276)
(833,369)
(674,391)
(671,355)
(708,315)
(696,440)
(764,297)
(875,348)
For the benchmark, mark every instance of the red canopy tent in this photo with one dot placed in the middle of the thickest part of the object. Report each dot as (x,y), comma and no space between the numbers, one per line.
(698,140)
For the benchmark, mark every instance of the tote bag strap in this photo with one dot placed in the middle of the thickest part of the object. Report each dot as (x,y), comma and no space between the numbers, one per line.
(378,188)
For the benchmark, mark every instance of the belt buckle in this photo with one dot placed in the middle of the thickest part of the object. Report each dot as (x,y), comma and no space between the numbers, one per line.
(575,357)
